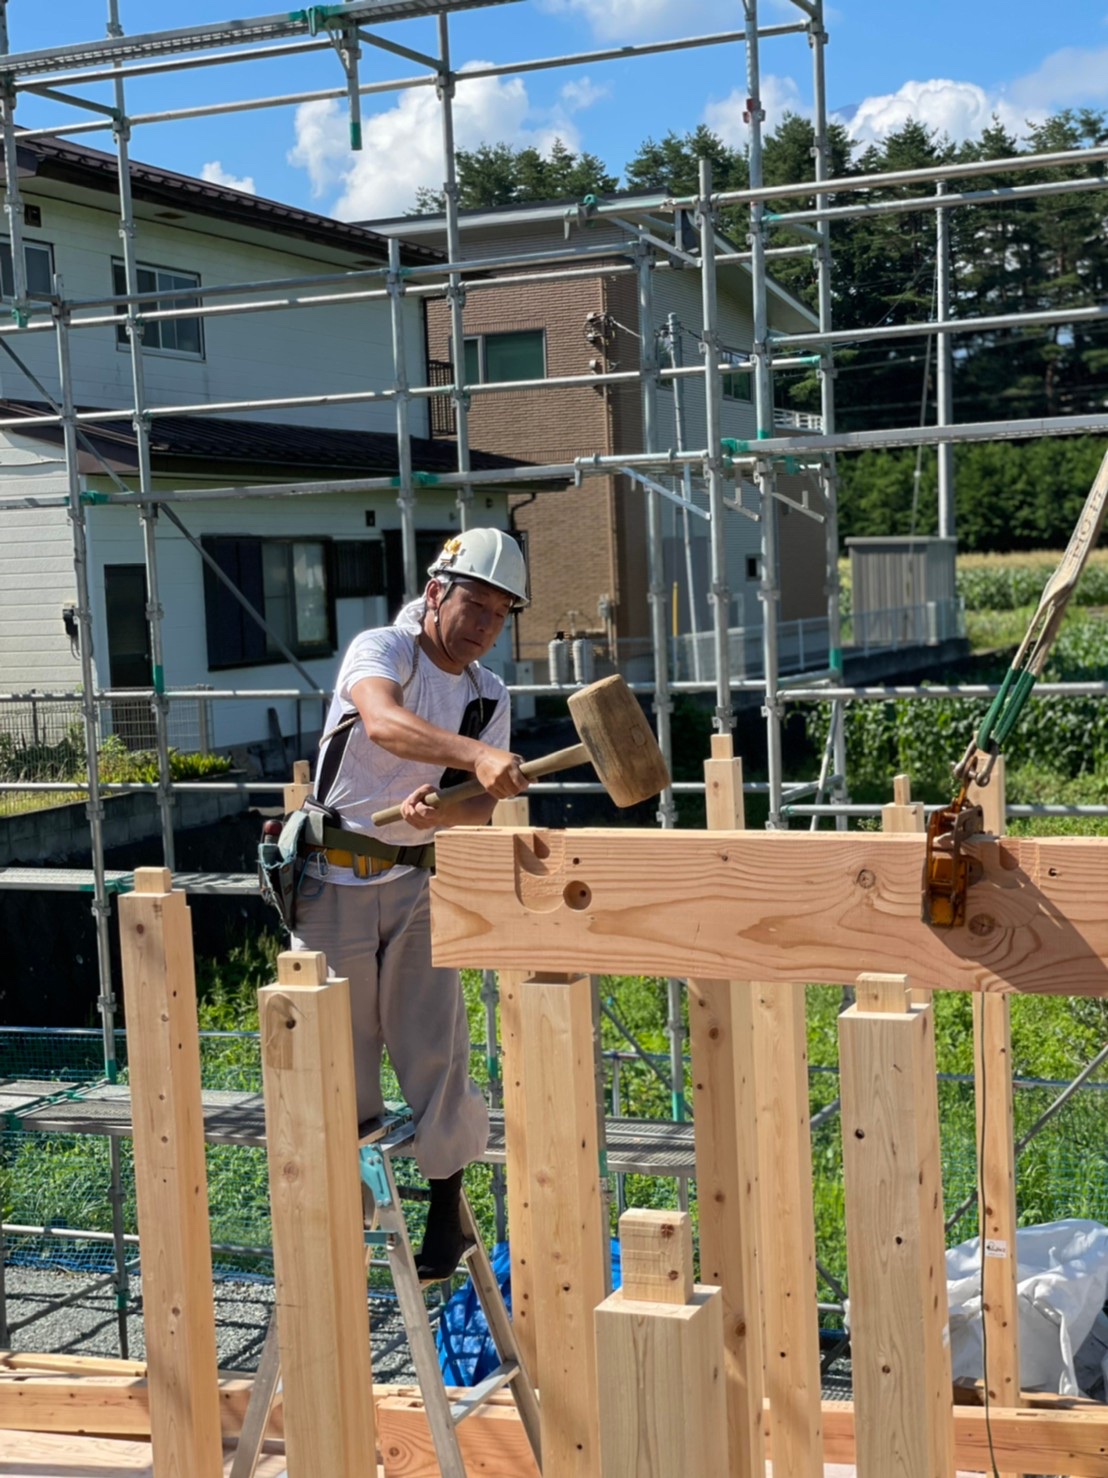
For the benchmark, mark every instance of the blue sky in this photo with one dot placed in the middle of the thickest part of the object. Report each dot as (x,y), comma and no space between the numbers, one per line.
(952,63)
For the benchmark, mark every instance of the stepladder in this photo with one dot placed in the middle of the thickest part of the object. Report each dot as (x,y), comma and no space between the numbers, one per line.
(386,1233)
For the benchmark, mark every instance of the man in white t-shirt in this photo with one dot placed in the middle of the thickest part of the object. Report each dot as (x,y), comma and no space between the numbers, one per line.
(414,711)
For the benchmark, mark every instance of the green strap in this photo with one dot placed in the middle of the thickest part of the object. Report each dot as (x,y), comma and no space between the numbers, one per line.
(1006,708)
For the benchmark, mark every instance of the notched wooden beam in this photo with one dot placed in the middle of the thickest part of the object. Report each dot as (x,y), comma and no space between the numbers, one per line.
(782,906)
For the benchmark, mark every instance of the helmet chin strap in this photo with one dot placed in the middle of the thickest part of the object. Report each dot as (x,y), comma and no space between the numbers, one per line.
(438,636)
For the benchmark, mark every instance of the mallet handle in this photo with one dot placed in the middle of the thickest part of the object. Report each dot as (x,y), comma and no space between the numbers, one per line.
(548,764)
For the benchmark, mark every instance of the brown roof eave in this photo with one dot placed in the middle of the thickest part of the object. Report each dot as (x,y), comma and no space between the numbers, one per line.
(155,187)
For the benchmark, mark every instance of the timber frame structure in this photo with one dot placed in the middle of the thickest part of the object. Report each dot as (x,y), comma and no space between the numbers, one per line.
(1040,899)
(665,1375)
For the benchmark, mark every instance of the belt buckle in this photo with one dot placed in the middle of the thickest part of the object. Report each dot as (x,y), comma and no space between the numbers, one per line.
(362,865)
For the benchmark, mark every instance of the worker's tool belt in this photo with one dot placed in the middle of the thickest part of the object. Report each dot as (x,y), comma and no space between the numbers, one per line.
(316,831)
(364,854)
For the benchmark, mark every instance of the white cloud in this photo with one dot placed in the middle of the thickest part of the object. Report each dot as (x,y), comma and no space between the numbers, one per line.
(780,95)
(1068,78)
(582,93)
(215,174)
(402,146)
(634,19)
(958,109)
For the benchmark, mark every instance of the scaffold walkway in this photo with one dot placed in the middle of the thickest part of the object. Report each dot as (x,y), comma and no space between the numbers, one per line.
(83,880)
(47,1106)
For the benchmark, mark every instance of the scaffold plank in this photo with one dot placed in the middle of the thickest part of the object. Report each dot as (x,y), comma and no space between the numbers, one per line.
(178,41)
(82,880)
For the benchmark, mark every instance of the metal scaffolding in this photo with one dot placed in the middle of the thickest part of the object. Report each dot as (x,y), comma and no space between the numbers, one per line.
(664,471)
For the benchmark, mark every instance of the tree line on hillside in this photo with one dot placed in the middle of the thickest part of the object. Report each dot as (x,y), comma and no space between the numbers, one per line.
(1009,254)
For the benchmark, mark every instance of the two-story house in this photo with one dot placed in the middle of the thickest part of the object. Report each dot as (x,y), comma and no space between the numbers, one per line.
(319,567)
(587,543)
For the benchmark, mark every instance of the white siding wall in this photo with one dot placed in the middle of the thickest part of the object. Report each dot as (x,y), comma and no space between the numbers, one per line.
(115,538)
(255,355)
(36,580)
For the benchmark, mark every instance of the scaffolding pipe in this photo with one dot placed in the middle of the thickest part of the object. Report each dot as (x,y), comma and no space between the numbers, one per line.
(405,498)
(1002,195)
(769,590)
(829,479)
(394,84)
(720,594)
(455,292)
(944,391)
(648,388)
(676,351)
(101,902)
(148,512)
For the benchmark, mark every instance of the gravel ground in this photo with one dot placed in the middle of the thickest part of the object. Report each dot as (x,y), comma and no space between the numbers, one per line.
(89,1326)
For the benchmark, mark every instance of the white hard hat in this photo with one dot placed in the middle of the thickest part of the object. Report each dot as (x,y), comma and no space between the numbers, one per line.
(488,555)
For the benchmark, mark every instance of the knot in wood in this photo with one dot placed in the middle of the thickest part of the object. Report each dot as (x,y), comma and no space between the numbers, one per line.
(982,923)
(866,878)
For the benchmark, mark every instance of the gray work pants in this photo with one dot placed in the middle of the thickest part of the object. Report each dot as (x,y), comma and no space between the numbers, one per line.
(379,937)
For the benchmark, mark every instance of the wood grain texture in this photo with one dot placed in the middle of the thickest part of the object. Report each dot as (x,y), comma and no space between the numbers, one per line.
(521,1232)
(171,1183)
(315,1195)
(663,1410)
(899,1319)
(780,906)
(996,1173)
(569,1238)
(656,1256)
(722,1051)
(787,1266)
(492,1442)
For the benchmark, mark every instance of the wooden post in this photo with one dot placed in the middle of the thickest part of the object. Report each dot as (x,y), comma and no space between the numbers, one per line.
(569,1240)
(721,1044)
(996,1171)
(301,787)
(315,1194)
(521,1231)
(904,814)
(171,1186)
(900,1335)
(515,812)
(660,1350)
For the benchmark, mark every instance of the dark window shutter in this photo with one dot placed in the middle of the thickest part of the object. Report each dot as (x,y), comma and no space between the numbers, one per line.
(233,635)
(359,566)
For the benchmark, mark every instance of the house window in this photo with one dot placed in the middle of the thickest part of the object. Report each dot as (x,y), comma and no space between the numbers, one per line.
(738,386)
(752,567)
(169,335)
(520,355)
(287,580)
(38,262)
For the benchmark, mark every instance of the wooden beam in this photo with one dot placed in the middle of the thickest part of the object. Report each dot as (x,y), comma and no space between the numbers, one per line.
(171,1183)
(660,1360)
(899,1320)
(316,1203)
(110,1405)
(493,1442)
(996,1171)
(570,1241)
(774,906)
(723,1053)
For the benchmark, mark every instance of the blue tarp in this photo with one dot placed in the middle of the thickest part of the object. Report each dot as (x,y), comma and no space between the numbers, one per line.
(466,1350)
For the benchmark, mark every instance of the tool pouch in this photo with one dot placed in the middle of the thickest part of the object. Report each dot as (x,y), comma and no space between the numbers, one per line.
(283,857)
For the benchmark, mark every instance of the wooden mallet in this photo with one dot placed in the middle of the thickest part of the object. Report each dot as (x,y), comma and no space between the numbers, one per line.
(615,739)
